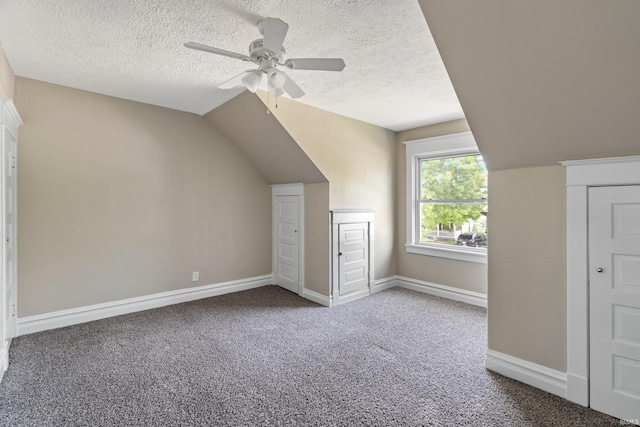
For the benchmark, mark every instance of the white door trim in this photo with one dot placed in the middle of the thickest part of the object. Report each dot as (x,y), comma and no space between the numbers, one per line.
(289,190)
(10,121)
(582,174)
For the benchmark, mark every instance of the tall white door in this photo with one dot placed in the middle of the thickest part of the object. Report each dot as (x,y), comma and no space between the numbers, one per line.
(286,242)
(353,258)
(614,277)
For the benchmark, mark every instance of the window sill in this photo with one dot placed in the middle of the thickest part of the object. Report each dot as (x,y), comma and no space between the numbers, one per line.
(468,255)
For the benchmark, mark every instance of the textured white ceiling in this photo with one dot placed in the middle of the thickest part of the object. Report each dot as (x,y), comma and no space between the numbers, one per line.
(394,76)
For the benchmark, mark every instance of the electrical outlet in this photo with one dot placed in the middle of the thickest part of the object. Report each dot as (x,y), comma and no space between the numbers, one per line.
(196,276)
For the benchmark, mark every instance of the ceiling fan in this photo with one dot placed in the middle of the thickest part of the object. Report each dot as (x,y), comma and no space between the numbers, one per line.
(268,54)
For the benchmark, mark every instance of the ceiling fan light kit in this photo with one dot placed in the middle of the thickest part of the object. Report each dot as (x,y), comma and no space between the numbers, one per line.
(268,54)
(252,80)
(276,79)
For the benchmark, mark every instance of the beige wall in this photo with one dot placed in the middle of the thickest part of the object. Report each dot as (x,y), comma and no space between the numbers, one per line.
(7,79)
(358,159)
(459,274)
(317,238)
(119,199)
(527,264)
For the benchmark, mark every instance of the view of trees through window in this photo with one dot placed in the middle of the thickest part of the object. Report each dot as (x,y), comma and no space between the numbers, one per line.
(453,201)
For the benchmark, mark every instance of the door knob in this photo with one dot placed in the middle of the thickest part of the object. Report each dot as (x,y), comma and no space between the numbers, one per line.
(599,269)
(339,253)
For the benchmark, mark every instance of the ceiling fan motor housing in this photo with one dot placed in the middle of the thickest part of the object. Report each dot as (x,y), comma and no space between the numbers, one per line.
(268,53)
(258,52)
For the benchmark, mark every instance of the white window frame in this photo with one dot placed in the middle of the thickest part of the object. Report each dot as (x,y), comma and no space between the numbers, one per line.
(458,144)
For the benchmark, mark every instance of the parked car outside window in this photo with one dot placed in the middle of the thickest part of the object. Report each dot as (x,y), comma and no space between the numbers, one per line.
(474,240)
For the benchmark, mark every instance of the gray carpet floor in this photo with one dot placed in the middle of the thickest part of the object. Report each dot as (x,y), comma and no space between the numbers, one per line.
(269,358)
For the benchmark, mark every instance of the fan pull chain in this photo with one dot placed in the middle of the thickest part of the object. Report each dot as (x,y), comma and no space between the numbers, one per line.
(268,93)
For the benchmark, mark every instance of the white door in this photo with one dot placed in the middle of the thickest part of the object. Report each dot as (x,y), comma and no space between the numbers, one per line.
(614,295)
(353,258)
(286,242)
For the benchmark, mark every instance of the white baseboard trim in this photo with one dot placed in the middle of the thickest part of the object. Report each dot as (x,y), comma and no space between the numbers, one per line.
(383,284)
(470,297)
(379,285)
(547,379)
(316,297)
(351,296)
(577,389)
(59,319)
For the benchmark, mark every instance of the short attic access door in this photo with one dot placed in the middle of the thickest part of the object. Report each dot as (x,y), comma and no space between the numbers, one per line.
(351,254)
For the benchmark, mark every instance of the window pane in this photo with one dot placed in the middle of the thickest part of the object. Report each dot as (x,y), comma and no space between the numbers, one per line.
(463,177)
(454,224)
(452,201)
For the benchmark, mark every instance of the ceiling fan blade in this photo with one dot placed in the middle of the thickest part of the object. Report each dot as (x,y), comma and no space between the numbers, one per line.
(233,81)
(321,64)
(274,31)
(210,49)
(291,87)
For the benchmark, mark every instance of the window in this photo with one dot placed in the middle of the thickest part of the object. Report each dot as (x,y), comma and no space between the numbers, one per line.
(447,198)
(452,201)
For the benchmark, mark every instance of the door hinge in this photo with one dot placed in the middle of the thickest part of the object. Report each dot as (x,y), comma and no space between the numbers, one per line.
(13,310)
(13,162)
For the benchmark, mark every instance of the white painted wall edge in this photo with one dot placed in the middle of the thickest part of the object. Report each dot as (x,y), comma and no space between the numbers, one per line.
(74,316)
(547,379)
(469,297)
(316,297)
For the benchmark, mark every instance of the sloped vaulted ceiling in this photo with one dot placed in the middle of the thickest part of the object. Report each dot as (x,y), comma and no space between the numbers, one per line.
(264,141)
(543,81)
